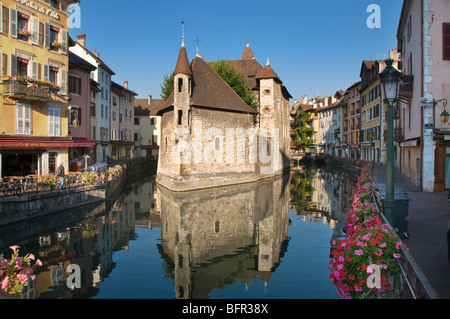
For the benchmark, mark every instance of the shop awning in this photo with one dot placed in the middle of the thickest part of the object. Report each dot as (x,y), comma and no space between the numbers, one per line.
(34,142)
(82,143)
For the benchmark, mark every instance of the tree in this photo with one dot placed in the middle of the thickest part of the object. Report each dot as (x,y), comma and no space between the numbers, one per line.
(229,74)
(236,80)
(167,86)
(303,132)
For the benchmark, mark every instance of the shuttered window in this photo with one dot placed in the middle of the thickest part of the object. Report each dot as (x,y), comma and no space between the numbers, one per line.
(446,41)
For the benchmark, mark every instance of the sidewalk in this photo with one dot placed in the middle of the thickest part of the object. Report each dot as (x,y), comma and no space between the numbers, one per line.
(429,216)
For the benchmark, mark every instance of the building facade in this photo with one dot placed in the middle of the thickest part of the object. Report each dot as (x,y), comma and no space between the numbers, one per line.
(79,111)
(34,64)
(147,127)
(424,42)
(102,75)
(122,121)
(351,122)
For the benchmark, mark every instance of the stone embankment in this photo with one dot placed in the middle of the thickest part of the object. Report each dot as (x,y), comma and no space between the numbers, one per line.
(15,209)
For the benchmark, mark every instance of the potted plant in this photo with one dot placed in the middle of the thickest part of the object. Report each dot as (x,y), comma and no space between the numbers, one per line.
(56,44)
(25,32)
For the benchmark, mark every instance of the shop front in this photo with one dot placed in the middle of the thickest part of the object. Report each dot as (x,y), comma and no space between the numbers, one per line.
(32,156)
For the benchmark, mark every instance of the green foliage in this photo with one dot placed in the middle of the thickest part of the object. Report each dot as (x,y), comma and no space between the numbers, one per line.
(303,132)
(236,81)
(167,86)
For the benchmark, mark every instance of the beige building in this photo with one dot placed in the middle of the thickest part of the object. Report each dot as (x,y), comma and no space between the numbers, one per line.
(147,127)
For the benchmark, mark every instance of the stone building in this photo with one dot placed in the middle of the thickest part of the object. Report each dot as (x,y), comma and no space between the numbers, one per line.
(211,137)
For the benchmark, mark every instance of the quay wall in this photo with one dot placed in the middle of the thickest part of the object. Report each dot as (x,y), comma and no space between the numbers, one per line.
(16,209)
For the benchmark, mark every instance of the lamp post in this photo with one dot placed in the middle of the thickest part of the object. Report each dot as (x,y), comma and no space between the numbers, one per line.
(389,79)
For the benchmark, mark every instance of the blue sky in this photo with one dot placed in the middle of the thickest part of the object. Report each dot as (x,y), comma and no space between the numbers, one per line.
(316,47)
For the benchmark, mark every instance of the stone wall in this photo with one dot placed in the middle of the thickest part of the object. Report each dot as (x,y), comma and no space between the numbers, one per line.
(15,209)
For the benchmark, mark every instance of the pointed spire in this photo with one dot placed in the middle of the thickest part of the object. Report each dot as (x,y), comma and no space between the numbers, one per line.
(268,62)
(183,61)
(182,41)
(198,54)
(248,54)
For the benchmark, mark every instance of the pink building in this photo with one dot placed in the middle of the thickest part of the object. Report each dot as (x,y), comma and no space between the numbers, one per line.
(423,152)
(79,116)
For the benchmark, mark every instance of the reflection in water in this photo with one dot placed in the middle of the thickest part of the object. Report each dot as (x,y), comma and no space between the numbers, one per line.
(218,237)
(250,241)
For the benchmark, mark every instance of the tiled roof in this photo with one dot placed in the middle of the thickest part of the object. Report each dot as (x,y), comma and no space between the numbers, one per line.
(248,54)
(183,63)
(211,91)
(267,73)
(146,109)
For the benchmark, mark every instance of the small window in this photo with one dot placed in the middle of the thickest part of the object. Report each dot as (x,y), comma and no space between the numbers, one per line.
(180,84)
(446,41)
(180,117)
(54,4)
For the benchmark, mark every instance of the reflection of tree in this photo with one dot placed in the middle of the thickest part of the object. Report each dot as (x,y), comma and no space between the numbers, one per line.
(302,188)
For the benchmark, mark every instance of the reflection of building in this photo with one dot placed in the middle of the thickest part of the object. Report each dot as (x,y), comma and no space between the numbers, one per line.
(34,91)
(217,236)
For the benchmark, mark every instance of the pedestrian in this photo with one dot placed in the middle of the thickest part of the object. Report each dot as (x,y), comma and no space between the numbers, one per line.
(60,174)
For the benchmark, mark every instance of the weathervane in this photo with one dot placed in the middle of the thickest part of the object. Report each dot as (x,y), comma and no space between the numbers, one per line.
(198,41)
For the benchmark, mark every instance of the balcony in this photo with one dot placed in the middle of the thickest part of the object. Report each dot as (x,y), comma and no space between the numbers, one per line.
(19,89)
(406,87)
(398,134)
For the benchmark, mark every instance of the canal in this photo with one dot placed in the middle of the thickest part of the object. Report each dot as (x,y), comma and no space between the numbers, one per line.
(267,240)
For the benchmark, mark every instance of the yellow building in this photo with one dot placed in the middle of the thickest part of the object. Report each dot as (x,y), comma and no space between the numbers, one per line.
(373,111)
(34,46)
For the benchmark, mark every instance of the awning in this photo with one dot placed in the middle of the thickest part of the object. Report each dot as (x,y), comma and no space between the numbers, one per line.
(34,142)
(83,143)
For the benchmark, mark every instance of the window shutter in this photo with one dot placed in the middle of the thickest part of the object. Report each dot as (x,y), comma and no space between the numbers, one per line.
(35,30)
(13,22)
(1,63)
(19,119)
(27,120)
(64,42)
(47,35)
(1,17)
(446,41)
(51,121)
(63,81)
(34,70)
(46,72)
(57,119)
(13,65)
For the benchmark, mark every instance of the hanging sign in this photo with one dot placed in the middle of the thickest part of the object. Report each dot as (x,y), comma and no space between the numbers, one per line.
(32,5)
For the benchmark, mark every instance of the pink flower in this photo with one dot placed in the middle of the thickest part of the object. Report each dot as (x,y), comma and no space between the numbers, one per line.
(39,263)
(14,248)
(4,263)
(22,278)
(397,256)
(5,282)
(359,252)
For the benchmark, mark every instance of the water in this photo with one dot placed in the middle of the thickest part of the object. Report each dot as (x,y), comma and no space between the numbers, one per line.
(263,241)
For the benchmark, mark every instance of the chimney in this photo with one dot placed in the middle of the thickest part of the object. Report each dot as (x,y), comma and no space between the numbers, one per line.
(125,84)
(82,39)
(149,99)
(96,54)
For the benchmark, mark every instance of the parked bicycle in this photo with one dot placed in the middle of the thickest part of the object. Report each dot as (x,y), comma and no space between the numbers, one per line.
(12,187)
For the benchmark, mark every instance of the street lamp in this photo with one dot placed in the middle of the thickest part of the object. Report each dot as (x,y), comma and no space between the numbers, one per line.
(389,79)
